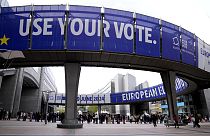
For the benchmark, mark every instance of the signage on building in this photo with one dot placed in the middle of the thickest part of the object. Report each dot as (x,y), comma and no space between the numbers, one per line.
(47,28)
(151,93)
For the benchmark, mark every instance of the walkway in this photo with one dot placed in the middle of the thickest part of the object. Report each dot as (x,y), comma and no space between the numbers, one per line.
(20,128)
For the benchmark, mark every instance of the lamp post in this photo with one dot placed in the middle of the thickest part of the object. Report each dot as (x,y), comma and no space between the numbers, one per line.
(47,99)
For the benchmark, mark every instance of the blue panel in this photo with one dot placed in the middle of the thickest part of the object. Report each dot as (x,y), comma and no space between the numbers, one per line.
(179,104)
(9,27)
(50,8)
(164,106)
(8,9)
(47,30)
(146,94)
(118,31)
(147,36)
(180,85)
(196,51)
(83,30)
(188,47)
(170,41)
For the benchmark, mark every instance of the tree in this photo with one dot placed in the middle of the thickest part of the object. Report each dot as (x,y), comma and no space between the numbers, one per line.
(93,109)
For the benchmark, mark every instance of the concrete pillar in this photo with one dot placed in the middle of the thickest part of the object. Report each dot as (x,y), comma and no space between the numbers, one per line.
(1,77)
(18,91)
(99,114)
(99,109)
(72,73)
(7,91)
(168,79)
(41,88)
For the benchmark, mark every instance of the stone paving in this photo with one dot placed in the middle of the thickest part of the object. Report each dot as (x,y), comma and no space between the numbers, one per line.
(26,128)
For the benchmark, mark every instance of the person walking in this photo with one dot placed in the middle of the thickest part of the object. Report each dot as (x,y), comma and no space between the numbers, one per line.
(166,121)
(176,121)
(196,123)
(154,118)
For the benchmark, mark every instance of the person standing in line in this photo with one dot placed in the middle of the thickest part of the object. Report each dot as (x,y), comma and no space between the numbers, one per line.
(123,119)
(176,121)
(196,123)
(166,121)
(154,119)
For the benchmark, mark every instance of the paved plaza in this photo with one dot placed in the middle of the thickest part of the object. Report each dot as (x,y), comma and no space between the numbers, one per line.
(22,128)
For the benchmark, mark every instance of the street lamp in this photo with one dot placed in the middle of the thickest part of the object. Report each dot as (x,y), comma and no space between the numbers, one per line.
(47,99)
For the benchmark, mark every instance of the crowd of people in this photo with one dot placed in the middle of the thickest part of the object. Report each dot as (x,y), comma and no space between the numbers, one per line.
(109,118)
(5,115)
(140,119)
(37,116)
(117,118)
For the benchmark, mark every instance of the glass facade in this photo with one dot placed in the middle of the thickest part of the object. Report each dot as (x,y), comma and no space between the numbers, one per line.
(184,104)
(4,3)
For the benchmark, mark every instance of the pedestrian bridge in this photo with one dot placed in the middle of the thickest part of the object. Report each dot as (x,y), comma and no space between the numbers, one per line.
(147,94)
(92,36)
(78,36)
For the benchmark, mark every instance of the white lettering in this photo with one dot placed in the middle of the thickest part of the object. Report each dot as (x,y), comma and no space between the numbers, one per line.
(73,28)
(148,35)
(61,24)
(137,95)
(141,28)
(99,28)
(26,29)
(142,94)
(146,93)
(128,26)
(132,96)
(93,31)
(106,28)
(47,26)
(124,97)
(154,92)
(36,25)
(117,31)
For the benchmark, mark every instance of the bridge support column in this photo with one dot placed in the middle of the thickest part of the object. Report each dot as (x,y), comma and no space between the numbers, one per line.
(170,88)
(99,109)
(18,91)
(99,114)
(1,77)
(72,73)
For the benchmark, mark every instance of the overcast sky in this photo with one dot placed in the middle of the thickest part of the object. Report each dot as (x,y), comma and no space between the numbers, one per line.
(193,15)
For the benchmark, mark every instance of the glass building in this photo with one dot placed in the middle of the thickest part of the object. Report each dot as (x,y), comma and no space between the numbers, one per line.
(4,3)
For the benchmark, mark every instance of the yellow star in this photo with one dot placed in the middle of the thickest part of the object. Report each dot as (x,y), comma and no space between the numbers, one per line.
(4,40)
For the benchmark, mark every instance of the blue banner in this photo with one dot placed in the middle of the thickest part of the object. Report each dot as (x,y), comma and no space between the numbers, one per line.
(180,85)
(147,36)
(188,51)
(118,31)
(48,28)
(84,28)
(147,94)
(196,51)
(170,41)
(139,95)
(9,28)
